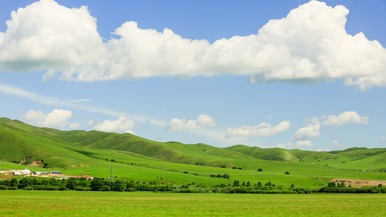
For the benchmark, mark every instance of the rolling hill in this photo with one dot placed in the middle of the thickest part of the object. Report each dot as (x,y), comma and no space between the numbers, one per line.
(133,157)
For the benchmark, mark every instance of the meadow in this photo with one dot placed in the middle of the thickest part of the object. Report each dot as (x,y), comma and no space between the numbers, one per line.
(73,203)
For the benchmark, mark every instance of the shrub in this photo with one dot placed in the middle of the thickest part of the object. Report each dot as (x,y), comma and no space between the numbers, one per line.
(81,188)
(105,188)
(331,185)
(119,185)
(259,170)
(131,189)
(14,182)
(287,173)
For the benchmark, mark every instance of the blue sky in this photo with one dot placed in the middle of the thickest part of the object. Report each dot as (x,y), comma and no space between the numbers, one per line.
(291,74)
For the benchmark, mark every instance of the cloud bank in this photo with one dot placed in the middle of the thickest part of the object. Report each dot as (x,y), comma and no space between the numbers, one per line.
(304,135)
(310,44)
(349,117)
(182,124)
(261,129)
(56,118)
(121,125)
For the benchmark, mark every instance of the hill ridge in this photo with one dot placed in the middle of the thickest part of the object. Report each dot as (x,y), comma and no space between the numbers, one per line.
(19,140)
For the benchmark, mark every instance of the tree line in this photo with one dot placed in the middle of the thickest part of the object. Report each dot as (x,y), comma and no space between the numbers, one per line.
(101,184)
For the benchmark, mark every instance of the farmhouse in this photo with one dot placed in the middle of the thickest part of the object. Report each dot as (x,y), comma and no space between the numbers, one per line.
(25,172)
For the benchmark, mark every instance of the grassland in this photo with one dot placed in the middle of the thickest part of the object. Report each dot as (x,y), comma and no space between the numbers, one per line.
(134,158)
(72,203)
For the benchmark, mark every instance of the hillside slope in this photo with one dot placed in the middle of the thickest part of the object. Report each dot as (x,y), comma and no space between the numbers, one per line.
(80,152)
(65,148)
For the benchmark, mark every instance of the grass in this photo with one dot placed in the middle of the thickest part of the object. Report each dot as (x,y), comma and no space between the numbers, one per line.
(72,203)
(134,158)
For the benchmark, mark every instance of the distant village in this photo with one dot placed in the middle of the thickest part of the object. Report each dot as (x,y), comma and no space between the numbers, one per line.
(43,174)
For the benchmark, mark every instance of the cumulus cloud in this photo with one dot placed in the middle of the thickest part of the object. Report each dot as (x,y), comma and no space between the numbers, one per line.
(261,129)
(51,37)
(181,124)
(348,117)
(309,44)
(55,118)
(304,135)
(309,131)
(337,143)
(121,125)
(286,145)
(303,143)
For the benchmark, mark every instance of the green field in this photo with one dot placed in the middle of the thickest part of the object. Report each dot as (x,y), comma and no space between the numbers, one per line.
(72,203)
(129,157)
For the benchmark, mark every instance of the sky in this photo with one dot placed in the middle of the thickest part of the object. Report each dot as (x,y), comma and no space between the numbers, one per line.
(292,74)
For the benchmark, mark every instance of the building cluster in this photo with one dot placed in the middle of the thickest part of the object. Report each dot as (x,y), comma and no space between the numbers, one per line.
(50,174)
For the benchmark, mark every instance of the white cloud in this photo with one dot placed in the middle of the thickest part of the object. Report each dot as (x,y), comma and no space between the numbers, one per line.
(348,117)
(337,143)
(181,124)
(309,44)
(261,129)
(74,104)
(303,143)
(286,145)
(55,118)
(75,125)
(121,125)
(309,131)
(51,37)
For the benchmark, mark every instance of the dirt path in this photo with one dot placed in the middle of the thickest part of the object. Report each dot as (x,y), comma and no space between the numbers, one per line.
(360,183)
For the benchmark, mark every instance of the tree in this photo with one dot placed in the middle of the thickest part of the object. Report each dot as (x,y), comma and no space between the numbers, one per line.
(119,185)
(97,184)
(341,185)
(13,182)
(331,185)
(105,188)
(259,185)
(236,183)
(24,182)
(72,183)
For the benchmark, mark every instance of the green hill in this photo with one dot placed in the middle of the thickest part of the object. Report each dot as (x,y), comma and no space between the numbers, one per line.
(96,153)
(276,154)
